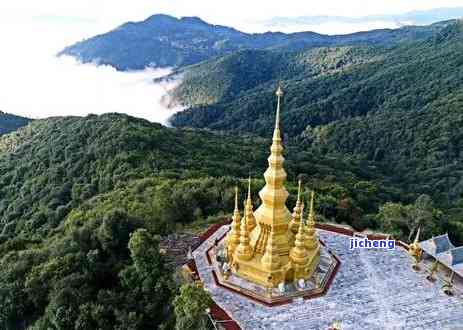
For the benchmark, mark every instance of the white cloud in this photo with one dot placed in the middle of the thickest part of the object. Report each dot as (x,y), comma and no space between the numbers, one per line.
(34,83)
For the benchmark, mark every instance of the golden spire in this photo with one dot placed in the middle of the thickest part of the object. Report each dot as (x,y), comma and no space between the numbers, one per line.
(244,250)
(414,249)
(417,238)
(234,235)
(295,217)
(299,253)
(279,93)
(267,251)
(249,188)
(312,240)
(248,209)
(311,219)
(236,211)
(271,259)
(273,211)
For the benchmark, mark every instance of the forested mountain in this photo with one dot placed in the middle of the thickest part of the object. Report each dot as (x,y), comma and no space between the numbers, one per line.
(84,201)
(9,122)
(398,107)
(165,41)
(373,126)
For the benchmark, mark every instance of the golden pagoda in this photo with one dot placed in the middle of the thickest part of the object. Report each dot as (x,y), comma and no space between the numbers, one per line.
(263,247)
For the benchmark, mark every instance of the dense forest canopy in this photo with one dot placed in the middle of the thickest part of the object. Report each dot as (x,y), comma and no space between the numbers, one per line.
(81,197)
(399,108)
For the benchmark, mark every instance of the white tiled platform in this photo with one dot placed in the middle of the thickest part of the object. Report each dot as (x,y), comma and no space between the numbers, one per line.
(373,289)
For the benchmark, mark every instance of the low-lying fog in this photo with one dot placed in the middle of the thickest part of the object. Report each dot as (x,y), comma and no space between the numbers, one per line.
(36,84)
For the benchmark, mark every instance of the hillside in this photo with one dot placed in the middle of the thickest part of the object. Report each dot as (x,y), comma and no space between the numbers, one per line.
(9,122)
(79,158)
(165,41)
(227,78)
(84,201)
(365,93)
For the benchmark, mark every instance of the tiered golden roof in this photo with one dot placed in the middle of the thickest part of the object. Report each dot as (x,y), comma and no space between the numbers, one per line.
(233,239)
(264,248)
(248,210)
(296,216)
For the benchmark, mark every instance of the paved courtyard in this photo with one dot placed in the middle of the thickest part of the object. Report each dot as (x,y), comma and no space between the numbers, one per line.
(374,289)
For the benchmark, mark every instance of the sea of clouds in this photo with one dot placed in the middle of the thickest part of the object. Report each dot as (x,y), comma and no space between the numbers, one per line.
(37,84)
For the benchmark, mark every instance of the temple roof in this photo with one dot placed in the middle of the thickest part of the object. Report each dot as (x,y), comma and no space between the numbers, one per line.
(437,245)
(443,250)
(373,289)
(457,255)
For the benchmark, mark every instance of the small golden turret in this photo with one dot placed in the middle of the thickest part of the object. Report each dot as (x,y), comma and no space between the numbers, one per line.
(243,250)
(296,215)
(312,240)
(415,251)
(233,239)
(298,253)
(248,210)
(271,259)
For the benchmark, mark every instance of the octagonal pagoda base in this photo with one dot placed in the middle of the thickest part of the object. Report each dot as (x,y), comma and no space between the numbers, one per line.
(315,286)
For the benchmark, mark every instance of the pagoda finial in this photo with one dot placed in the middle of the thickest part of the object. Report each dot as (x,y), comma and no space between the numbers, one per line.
(417,238)
(279,93)
(276,132)
(311,209)
(300,230)
(249,187)
(302,210)
(248,209)
(312,240)
(234,234)
(296,215)
(243,250)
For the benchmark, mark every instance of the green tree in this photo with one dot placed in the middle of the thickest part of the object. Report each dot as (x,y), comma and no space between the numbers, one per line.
(190,308)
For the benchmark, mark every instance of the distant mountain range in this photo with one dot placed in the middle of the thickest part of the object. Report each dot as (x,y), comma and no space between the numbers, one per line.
(165,41)
(9,122)
(423,17)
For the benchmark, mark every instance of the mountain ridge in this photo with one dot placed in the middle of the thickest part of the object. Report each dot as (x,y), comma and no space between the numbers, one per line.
(165,41)
(10,122)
